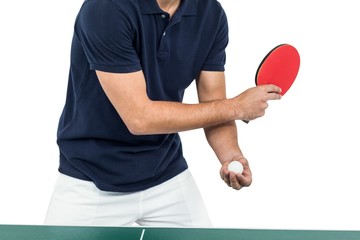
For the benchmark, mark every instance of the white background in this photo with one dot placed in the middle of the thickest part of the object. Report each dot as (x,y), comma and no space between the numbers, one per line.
(304,153)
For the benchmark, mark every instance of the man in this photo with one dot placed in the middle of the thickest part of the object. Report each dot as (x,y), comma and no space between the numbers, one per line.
(121,159)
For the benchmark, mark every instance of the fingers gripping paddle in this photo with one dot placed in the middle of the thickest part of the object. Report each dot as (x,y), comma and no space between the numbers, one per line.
(279,67)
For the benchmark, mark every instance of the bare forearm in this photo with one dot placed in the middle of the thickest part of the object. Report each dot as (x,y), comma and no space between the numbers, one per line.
(128,94)
(223,140)
(157,117)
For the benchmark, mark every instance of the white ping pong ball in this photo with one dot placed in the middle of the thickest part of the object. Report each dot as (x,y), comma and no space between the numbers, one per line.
(236,167)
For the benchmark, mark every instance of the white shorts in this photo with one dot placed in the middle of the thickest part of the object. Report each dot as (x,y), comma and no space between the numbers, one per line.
(175,203)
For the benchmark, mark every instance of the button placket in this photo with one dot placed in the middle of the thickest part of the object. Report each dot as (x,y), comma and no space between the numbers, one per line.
(164,45)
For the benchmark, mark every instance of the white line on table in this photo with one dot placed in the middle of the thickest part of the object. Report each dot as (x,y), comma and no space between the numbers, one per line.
(142,234)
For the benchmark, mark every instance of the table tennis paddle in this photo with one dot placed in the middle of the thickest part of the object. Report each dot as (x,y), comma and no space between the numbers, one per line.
(279,67)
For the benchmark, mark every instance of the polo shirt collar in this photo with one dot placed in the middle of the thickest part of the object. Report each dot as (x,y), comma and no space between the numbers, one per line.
(187,7)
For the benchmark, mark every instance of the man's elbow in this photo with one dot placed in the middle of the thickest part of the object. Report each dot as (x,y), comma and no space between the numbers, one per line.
(138,126)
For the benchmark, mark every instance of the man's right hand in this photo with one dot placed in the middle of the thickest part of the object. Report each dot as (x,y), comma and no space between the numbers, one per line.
(253,102)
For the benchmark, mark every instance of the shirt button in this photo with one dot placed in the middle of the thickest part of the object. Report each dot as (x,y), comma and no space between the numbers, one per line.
(164,34)
(163,16)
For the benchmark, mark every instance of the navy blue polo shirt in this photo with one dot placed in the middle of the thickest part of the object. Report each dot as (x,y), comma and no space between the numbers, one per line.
(123,36)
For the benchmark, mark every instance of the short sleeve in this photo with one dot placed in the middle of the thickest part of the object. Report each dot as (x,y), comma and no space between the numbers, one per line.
(106,33)
(217,56)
